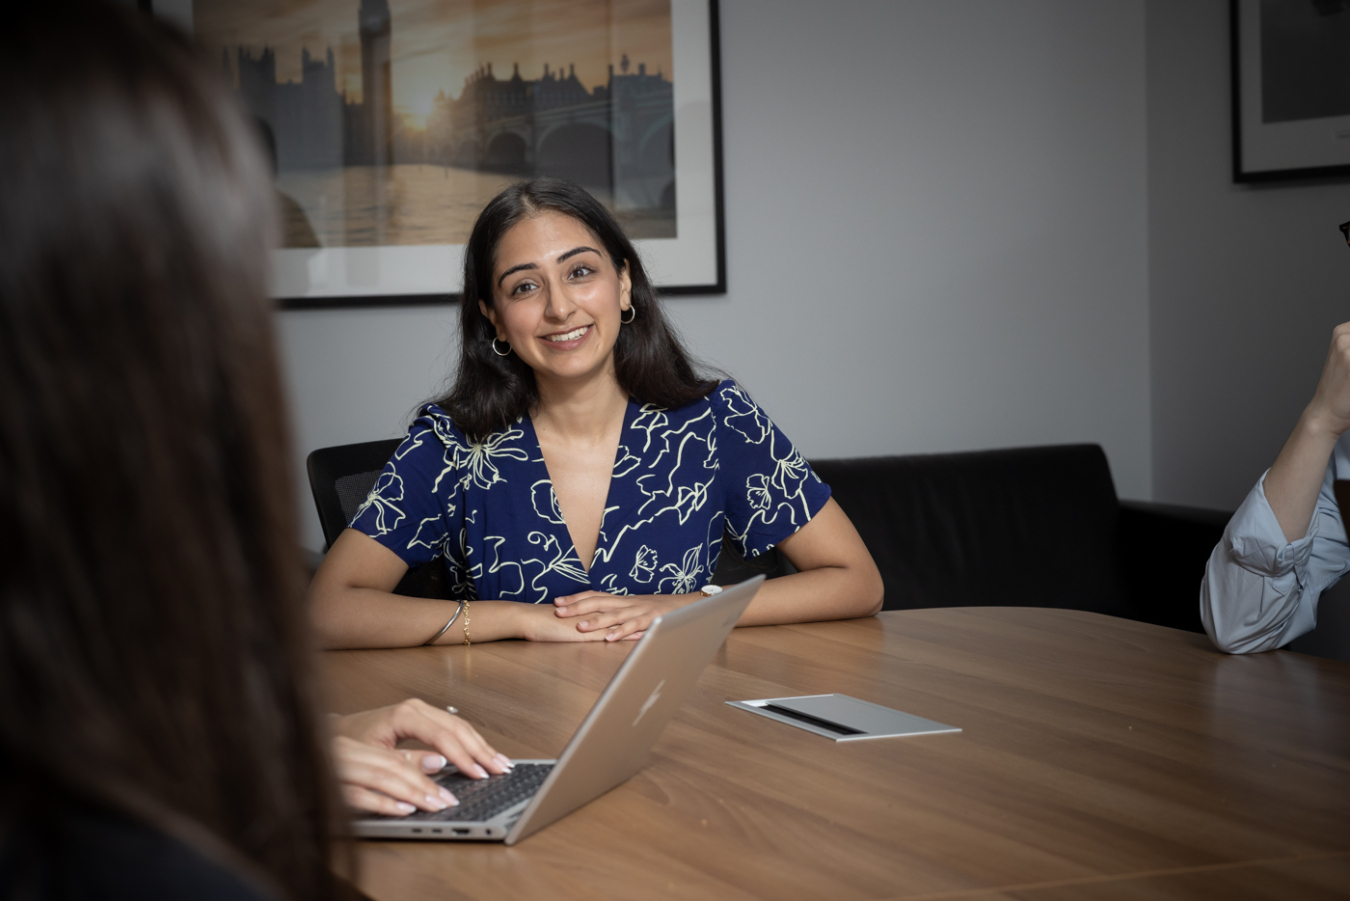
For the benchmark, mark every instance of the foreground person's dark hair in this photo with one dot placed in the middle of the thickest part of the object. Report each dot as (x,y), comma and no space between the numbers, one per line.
(492,391)
(154,650)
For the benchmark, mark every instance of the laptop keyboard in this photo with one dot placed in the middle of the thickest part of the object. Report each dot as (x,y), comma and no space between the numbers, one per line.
(483,799)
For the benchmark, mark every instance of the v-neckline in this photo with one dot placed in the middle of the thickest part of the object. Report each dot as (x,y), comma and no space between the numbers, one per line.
(609,489)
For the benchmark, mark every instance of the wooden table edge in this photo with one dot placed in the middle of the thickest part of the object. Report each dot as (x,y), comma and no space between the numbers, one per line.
(996,890)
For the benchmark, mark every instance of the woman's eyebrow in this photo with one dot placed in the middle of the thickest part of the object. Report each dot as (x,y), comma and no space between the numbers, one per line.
(576,250)
(571,253)
(503,276)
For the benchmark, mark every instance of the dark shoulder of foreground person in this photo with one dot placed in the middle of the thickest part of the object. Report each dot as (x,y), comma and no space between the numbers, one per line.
(65,849)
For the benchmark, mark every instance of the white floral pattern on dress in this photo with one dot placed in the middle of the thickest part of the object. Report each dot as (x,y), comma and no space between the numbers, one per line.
(644,566)
(680,478)
(683,577)
(383,499)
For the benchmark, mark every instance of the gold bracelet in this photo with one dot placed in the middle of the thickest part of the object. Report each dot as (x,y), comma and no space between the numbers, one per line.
(466,624)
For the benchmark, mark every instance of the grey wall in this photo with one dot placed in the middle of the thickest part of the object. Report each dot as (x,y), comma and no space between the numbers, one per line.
(1245,283)
(936,234)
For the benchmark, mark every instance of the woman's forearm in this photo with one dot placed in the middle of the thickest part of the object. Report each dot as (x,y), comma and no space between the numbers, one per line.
(353,605)
(836,577)
(1295,479)
(830,592)
(368,618)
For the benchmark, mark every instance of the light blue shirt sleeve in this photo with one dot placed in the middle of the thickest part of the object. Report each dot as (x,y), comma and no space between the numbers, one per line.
(1260,592)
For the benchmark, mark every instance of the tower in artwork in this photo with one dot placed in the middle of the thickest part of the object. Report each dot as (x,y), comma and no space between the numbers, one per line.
(377,92)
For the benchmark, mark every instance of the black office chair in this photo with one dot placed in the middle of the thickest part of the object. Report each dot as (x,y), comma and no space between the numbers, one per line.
(341,478)
(1024,527)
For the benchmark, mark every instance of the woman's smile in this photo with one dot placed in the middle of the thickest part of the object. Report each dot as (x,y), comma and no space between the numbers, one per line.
(570,339)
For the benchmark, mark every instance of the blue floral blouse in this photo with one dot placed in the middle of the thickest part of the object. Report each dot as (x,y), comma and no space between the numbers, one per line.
(680,477)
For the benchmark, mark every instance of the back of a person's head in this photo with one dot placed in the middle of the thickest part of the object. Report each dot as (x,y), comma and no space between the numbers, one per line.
(154,651)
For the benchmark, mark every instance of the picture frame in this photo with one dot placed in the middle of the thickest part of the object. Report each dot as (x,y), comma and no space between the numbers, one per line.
(1290,110)
(492,130)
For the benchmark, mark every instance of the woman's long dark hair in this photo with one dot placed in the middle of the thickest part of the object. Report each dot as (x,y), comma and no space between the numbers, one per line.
(155,654)
(491,391)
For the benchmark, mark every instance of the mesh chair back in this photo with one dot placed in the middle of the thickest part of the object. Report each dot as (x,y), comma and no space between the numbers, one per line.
(353,490)
(341,478)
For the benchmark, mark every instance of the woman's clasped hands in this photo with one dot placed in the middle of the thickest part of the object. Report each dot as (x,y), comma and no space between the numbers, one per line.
(615,617)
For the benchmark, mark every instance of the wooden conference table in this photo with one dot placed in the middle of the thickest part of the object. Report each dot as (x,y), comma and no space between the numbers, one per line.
(1100,758)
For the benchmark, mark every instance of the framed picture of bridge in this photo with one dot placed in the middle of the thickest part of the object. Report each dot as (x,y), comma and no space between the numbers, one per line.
(392,122)
(1291,90)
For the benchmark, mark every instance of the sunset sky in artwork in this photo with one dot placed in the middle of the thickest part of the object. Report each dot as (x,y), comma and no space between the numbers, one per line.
(438,43)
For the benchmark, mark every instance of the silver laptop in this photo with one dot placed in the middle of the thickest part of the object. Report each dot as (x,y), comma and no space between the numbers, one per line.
(609,747)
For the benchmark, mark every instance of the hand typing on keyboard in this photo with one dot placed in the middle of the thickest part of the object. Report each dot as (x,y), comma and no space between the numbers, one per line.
(482,799)
(377,776)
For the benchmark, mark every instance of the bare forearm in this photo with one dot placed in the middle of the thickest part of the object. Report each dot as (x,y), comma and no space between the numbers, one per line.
(836,577)
(827,593)
(1295,480)
(368,618)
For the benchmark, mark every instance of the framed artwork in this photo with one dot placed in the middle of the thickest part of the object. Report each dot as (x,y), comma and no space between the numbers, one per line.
(392,122)
(1291,88)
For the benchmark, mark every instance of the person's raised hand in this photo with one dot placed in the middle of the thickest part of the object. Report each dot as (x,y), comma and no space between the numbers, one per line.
(375,774)
(618,617)
(1329,410)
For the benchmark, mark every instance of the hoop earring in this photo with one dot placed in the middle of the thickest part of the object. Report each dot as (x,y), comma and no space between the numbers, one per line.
(500,353)
(629,320)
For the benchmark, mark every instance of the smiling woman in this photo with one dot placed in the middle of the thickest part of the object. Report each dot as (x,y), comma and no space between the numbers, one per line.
(580,464)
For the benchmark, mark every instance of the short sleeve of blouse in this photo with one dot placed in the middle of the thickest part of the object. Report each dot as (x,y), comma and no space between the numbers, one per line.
(771,491)
(409,509)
